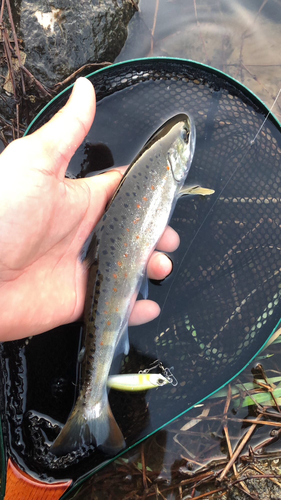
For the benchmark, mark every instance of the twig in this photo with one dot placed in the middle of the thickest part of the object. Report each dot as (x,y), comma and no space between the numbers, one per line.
(144,478)
(154,25)
(269,387)
(134,5)
(260,9)
(16,42)
(273,480)
(200,32)
(209,493)
(78,71)
(225,426)
(42,89)
(239,448)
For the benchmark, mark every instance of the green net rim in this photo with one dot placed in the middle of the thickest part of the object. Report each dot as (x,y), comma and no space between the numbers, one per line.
(76,486)
(191,62)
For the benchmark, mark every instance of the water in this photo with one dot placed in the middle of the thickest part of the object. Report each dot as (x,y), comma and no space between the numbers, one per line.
(239,37)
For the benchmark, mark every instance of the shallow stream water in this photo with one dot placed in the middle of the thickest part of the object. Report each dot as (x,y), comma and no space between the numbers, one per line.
(240,37)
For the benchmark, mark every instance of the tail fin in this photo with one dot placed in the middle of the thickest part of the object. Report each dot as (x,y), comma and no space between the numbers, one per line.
(90,425)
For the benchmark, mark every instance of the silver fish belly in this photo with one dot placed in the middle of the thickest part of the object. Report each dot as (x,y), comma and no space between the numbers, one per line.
(121,245)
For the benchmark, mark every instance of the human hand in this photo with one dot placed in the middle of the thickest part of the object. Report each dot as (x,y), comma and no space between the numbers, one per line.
(45,219)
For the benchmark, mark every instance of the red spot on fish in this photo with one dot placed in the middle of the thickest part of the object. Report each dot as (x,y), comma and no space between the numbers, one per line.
(136,220)
(115,289)
(144,198)
(105,312)
(127,229)
(107,303)
(117,309)
(101,343)
(119,263)
(138,205)
(109,323)
(115,276)
(126,275)
(152,187)
(168,168)
(125,244)
(137,237)
(125,255)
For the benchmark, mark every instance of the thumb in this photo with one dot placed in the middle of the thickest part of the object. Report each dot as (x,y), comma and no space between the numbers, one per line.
(64,133)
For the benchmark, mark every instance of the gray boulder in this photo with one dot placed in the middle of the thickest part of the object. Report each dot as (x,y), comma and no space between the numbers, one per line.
(63,35)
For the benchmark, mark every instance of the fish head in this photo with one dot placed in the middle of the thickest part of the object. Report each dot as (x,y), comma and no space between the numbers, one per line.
(182,138)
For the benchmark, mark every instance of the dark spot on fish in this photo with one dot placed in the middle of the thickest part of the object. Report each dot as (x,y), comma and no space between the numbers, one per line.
(92,350)
(128,194)
(115,218)
(91,335)
(88,362)
(112,247)
(126,205)
(107,279)
(135,194)
(88,372)
(104,217)
(102,228)
(118,238)
(98,282)
(139,174)
(111,226)
(151,159)
(96,301)
(134,176)
(123,217)
(105,252)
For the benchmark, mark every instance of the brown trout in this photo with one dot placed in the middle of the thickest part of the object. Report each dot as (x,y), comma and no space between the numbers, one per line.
(121,245)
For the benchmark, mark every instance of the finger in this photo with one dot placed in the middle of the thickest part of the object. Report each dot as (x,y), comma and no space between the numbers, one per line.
(61,136)
(159,266)
(144,311)
(169,241)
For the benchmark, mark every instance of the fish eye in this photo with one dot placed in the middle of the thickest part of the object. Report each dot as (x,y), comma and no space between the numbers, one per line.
(185,134)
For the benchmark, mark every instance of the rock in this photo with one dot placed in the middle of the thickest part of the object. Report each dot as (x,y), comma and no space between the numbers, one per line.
(62,36)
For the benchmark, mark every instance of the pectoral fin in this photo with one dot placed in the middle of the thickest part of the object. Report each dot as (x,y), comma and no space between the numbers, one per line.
(144,286)
(185,191)
(123,344)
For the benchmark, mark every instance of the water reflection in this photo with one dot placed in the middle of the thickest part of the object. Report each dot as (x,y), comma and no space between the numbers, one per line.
(241,38)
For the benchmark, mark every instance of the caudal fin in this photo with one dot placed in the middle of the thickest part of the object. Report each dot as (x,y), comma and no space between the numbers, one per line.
(90,425)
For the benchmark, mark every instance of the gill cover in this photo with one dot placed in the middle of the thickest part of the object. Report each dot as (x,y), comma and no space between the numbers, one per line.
(181,151)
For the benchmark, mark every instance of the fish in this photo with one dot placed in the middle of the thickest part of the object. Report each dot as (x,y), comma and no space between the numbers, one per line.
(117,255)
(133,382)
